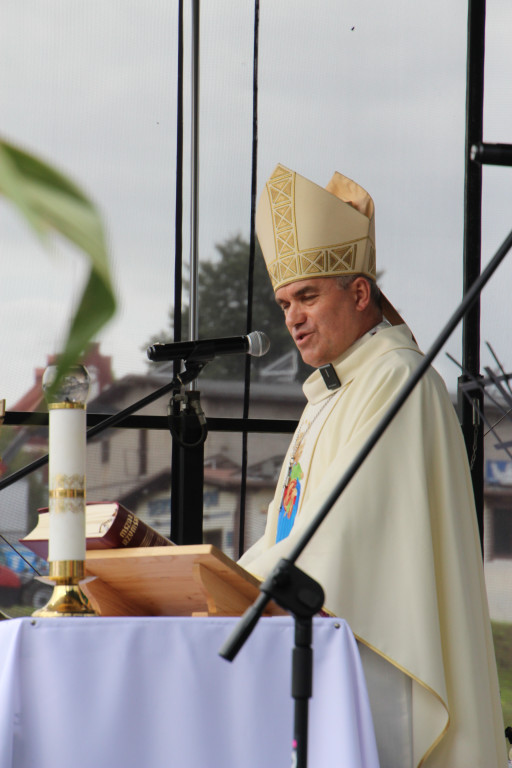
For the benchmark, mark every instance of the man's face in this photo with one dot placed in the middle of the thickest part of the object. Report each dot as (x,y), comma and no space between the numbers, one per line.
(323,319)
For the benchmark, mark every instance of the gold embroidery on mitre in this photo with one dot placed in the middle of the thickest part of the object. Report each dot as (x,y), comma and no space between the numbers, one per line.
(342,258)
(312,262)
(372,261)
(274,272)
(289,267)
(281,190)
(337,260)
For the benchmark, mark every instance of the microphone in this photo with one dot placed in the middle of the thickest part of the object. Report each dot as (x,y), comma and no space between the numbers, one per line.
(256,343)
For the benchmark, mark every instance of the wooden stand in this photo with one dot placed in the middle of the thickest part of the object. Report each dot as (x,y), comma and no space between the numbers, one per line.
(193,580)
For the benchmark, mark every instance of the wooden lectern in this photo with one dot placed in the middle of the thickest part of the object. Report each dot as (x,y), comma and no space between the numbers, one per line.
(193,580)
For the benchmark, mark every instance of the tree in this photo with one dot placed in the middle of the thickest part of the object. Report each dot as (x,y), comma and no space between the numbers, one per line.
(222,309)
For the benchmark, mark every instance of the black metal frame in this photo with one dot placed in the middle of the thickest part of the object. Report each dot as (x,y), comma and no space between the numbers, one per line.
(260,426)
(477,153)
(251,426)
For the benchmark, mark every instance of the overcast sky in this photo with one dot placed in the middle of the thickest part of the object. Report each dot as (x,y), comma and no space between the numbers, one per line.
(374,90)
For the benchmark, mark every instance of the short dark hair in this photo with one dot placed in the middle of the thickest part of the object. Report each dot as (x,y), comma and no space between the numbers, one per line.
(344,281)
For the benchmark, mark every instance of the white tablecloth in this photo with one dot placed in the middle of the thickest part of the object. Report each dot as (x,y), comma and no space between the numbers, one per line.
(154,693)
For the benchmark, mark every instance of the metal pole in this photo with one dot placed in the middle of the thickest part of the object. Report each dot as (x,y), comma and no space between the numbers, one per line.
(250,280)
(188,459)
(178,264)
(178,237)
(468,411)
(194,172)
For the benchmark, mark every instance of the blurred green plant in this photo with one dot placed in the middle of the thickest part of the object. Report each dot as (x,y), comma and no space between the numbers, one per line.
(51,203)
(502,635)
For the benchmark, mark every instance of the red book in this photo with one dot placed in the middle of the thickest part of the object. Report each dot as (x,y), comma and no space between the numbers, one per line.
(108,525)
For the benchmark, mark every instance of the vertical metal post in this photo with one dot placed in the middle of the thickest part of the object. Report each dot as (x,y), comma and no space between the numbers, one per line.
(188,462)
(194,172)
(239,523)
(178,267)
(472,429)
(178,216)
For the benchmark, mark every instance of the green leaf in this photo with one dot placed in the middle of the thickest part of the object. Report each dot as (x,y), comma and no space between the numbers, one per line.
(51,203)
(97,306)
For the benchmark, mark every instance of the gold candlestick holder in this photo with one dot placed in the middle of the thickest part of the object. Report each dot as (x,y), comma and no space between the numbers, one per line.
(67,598)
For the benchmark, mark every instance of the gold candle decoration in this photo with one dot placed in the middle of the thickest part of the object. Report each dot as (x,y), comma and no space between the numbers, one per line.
(66,490)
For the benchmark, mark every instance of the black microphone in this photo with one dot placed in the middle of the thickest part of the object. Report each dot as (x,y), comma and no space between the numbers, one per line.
(256,343)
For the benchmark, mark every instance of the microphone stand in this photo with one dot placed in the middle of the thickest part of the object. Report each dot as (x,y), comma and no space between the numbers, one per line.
(284,585)
(189,430)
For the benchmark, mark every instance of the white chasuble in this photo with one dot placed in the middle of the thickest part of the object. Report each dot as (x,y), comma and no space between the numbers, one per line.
(399,554)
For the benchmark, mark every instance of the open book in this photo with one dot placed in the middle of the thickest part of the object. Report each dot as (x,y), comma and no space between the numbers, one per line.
(108,525)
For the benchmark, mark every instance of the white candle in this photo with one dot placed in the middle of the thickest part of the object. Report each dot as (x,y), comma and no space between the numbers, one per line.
(67,449)
(66,484)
